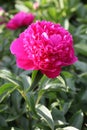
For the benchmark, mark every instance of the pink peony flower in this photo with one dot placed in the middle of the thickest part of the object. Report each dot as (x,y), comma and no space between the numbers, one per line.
(44,46)
(19,20)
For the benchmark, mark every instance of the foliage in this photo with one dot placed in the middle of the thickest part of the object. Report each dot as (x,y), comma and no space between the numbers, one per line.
(31,101)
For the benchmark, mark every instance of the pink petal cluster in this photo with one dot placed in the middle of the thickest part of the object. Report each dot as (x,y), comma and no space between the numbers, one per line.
(44,46)
(19,20)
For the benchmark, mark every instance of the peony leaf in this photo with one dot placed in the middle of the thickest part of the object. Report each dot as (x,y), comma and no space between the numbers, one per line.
(31,103)
(62,80)
(5,90)
(82,66)
(70,128)
(77,120)
(5,74)
(81,48)
(45,114)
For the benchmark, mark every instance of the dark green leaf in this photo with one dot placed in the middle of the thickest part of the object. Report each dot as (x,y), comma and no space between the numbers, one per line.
(77,120)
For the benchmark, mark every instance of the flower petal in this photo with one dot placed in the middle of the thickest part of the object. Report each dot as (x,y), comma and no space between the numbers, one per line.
(52,74)
(17,48)
(25,64)
(22,58)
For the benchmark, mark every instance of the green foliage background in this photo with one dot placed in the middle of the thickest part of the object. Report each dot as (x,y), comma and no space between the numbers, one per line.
(31,101)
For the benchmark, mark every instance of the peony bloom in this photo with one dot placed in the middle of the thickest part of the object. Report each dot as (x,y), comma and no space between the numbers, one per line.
(19,20)
(44,46)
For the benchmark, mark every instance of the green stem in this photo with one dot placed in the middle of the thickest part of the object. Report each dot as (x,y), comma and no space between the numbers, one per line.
(35,82)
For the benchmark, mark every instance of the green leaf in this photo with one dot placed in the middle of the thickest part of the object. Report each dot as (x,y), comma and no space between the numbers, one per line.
(3,107)
(67,74)
(5,74)
(20,6)
(77,120)
(83,77)
(59,129)
(71,84)
(82,95)
(6,89)
(58,115)
(3,123)
(62,80)
(82,66)
(28,4)
(13,118)
(52,84)
(26,81)
(14,128)
(45,114)
(82,48)
(52,12)
(24,123)
(70,128)
(67,128)
(66,106)
(31,103)
(16,101)
(39,95)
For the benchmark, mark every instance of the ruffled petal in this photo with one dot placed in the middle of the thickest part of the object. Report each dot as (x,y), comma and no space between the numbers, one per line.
(21,56)
(17,48)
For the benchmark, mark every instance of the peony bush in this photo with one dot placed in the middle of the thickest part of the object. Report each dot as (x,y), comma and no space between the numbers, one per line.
(43,65)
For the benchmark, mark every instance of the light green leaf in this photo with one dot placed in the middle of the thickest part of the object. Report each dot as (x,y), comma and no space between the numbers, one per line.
(62,80)
(67,74)
(67,128)
(52,84)
(46,115)
(21,7)
(5,74)
(6,89)
(14,128)
(70,128)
